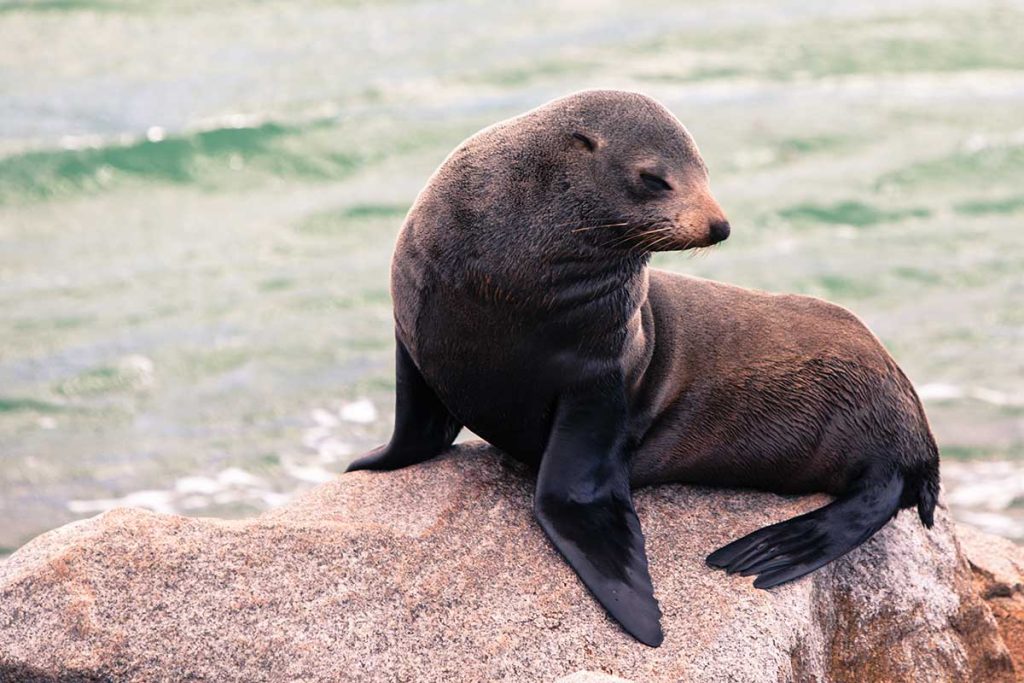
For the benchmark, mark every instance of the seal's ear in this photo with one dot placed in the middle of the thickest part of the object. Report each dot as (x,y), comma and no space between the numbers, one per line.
(584,141)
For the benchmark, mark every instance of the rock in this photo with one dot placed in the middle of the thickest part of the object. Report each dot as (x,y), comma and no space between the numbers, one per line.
(590,677)
(998,567)
(438,572)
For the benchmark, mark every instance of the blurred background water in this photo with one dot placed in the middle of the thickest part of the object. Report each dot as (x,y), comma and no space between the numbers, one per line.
(198,203)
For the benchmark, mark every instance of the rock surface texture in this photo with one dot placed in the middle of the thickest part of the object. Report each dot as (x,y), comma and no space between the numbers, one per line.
(438,572)
(998,568)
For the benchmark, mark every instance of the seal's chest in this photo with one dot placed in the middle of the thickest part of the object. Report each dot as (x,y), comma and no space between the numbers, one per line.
(501,393)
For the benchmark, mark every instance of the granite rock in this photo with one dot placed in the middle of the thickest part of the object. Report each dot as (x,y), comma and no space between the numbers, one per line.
(439,572)
(998,568)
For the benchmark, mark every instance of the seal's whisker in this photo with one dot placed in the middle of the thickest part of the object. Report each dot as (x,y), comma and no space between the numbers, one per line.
(664,235)
(652,236)
(626,239)
(595,227)
(645,233)
(657,236)
(597,221)
(663,239)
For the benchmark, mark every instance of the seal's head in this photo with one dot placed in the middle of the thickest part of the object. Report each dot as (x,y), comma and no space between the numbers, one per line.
(635,173)
(597,176)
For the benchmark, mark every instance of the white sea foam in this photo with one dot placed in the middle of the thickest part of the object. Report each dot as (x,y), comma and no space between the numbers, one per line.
(194,492)
(988,494)
(314,436)
(157,501)
(199,485)
(273,499)
(333,450)
(313,474)
(992,522)
(235,476)
(324,418)
(321,437)
(193,503)
(361,411)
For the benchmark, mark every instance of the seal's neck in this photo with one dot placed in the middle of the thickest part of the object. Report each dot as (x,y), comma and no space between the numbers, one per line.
(588,287)
(588,298)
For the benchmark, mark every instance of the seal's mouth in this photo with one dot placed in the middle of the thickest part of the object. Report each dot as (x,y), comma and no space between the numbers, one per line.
(700,220)
(688,232)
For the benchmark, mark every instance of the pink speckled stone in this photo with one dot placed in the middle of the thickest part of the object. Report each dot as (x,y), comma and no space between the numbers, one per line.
(439,573)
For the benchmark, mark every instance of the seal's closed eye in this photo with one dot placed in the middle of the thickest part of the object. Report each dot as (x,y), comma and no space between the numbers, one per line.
(655,183)
(585,141)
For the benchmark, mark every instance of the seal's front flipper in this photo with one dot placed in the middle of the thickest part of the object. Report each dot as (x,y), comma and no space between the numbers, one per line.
(584,505)
(423,426)
(788,550)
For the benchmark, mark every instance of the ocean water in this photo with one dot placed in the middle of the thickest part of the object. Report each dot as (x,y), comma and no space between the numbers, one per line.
(198,203)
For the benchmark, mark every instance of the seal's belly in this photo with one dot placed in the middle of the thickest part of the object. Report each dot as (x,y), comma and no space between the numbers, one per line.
(790,426)
(702,444)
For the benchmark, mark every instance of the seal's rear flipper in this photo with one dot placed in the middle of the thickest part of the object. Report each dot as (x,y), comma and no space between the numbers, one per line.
(423,426)
(584,505)
(788,550)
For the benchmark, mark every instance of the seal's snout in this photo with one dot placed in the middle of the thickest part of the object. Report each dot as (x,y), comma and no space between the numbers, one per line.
(719,231)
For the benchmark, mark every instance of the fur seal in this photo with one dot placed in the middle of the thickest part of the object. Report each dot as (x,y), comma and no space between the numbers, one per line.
(525,310)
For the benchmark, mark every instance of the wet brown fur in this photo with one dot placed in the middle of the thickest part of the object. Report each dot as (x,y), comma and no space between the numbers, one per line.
(774,391)
(504,270)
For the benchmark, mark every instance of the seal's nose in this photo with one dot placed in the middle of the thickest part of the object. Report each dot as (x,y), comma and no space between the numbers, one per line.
(719,231)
